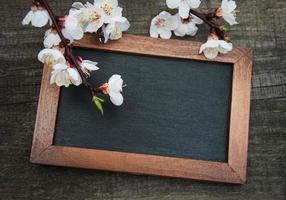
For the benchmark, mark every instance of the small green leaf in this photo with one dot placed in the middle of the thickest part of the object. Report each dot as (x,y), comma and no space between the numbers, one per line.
(100,99)
(98,103)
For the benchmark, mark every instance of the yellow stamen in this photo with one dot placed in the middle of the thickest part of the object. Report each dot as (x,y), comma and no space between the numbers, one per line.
(49,60)
(117,34)
(160,23)
(235,12)
(107,8)
(94,17)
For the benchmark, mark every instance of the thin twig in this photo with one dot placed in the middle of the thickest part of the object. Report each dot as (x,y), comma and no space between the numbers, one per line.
(213,27)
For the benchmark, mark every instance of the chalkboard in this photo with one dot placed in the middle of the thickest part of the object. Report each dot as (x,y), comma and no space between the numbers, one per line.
(172,107)
(183,116)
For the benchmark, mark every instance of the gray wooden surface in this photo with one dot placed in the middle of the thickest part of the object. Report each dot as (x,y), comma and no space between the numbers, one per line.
(262,27)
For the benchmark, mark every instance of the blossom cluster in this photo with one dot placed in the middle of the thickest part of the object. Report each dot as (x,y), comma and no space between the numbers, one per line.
(186,22)
(101,16)
(82,18)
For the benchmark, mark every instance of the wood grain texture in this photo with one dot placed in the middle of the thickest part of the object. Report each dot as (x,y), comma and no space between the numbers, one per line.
(164,48)
(262,27)
(233,171)
(239,118)
(46,115)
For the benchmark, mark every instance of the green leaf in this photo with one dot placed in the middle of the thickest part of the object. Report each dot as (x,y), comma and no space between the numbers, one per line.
(100,99)
(98,103)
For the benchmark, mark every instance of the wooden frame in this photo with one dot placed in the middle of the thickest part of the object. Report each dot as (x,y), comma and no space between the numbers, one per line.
(233,171)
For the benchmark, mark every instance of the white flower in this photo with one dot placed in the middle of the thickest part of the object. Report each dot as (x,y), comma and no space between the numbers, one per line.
(115,15)
(88,66)
(114,30)
(50,57)
(105,14)
(227,11)
(90,17)
(184,6)
(64,75)
(73,29)
(51,38)
(163,25)
(107,5)
(115,88)
(95,18)
(214,46)
(37,16)
(187,26)
(116,24)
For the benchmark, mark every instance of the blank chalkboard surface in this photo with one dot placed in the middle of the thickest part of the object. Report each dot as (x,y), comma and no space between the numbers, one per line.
(173,107)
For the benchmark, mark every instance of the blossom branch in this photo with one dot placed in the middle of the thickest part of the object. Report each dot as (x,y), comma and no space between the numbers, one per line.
(102,17)
(68,52)
(186,22)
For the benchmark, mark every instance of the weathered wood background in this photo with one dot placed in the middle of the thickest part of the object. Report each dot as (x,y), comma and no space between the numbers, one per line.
(262,27)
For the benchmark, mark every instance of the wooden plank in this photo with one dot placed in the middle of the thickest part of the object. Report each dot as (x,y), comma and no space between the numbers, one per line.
(138,164)
(159,47)
(261,27)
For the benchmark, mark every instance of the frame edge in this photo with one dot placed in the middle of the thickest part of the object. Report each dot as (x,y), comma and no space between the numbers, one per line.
(239,124)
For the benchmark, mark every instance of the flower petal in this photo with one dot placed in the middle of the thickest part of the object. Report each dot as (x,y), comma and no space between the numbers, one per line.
(51,40)
(114,78)
(28,18)
(196,20)
(57,55)
(43,54)
(165,34)
(53,77)
(192,29)
(112,3)
(89,65)
(172,23)
(164,15)
(202,48)
(224,5)
(115,15)
(230,18)
(124,25)
(181,30)
(115,83)
(228,5)
(173,3)
(224,47)
(154,31)
(194,3)
(116,98)
(59,67)
(77,34)
(40,18)
(92,28)
(74,76)
(77,5)
(211,53)
(67,35)
(212,43)
(184,9)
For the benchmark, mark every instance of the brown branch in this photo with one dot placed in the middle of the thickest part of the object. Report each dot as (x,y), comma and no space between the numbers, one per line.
(208,19)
